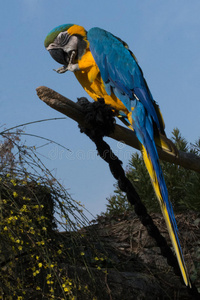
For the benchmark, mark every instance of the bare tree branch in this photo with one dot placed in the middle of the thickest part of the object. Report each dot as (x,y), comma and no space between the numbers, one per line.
(75,112)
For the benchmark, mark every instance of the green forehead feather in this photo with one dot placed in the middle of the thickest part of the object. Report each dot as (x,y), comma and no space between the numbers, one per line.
(54,33)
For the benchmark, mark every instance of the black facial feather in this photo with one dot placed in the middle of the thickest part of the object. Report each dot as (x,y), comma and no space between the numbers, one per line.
(82,44)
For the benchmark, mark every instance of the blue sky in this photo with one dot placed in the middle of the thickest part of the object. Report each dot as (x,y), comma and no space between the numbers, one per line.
(164,36)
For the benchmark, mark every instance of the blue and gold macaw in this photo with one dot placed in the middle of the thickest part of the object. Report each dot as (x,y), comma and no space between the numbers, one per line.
(106,68)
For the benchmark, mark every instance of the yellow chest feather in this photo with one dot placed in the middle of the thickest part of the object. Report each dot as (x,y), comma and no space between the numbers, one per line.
(90,78)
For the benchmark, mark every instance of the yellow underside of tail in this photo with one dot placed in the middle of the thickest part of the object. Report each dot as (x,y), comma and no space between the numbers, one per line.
(166,145)
(166,216)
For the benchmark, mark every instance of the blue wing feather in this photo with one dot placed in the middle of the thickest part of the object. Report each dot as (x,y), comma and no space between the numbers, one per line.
(119,70)
(122,76)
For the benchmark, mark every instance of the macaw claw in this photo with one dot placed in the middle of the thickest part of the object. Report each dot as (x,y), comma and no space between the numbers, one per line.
(61,70)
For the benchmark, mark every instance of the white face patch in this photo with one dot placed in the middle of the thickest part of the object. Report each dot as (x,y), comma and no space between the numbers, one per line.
(62,38)
(72,44)
(64,50)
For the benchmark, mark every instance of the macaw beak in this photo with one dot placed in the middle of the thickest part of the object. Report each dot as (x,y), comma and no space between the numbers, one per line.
(60,56)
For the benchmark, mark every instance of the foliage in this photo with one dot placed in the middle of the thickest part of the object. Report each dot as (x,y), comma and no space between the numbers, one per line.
(34,256)
(183,185)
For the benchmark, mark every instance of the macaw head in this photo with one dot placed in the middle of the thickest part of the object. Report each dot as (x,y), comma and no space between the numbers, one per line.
(66,44)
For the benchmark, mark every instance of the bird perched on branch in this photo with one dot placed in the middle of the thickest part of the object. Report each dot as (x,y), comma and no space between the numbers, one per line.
(106,68)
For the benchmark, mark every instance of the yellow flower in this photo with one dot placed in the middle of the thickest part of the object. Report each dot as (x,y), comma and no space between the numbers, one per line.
(20,248)
(96,258)
(26,198)
(44,228)
(5,228)
(40,265)
(51,266)
(15,195)
(13,182)
(82,253)
(59,251)
(18,241)
(38,288)
(66,289)
(24,208)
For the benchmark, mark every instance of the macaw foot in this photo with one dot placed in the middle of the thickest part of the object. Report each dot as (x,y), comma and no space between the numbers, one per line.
(61,70)
(72,66)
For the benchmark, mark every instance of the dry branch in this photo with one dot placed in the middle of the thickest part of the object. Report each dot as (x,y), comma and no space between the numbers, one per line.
(75,112)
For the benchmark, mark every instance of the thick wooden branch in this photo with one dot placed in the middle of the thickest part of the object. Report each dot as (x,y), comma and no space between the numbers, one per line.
(75,112)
